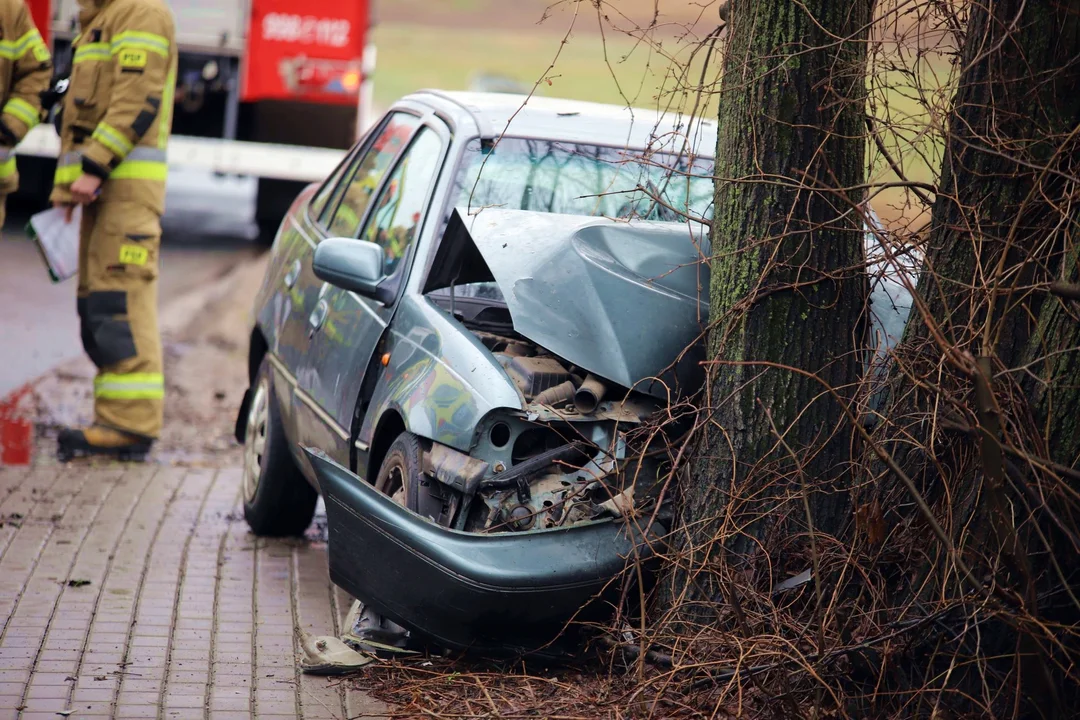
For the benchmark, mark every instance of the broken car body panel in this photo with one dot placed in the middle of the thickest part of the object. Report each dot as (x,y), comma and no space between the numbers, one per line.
(467,591)
(440,379)
(618,299)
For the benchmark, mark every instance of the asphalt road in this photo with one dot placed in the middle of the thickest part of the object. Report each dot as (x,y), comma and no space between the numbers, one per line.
(208,229)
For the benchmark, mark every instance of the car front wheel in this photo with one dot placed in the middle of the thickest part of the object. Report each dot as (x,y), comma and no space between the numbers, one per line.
(278,501)
(401,476)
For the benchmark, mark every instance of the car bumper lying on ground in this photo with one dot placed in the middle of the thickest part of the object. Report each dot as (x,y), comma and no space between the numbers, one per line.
(497,594)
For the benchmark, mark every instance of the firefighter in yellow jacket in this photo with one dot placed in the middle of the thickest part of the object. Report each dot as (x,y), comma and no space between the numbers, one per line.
(117,116)
(25,69)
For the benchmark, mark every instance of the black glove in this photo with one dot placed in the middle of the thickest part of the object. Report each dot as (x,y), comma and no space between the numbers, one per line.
(52,98)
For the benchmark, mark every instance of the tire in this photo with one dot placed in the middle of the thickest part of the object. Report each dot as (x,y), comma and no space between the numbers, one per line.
(278,501)
(401,471)
(401,477)
(273,198)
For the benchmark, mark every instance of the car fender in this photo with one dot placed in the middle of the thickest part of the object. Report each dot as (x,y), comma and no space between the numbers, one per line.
(438,377)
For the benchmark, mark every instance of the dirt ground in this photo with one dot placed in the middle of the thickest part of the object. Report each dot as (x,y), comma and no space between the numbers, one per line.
(205,338)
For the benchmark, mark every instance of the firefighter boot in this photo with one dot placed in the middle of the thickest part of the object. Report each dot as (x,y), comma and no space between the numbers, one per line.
(97,440)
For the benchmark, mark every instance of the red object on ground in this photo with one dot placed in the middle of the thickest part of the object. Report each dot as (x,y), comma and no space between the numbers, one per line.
(16,428)
(41,12)
(308,50)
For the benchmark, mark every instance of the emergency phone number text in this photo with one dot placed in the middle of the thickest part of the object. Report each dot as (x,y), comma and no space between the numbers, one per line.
(307,30)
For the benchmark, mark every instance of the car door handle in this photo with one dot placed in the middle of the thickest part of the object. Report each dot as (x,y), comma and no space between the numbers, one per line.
(318,316)
(294,272)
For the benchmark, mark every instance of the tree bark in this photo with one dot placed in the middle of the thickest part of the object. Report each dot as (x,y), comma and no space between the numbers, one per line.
(787,293)
(984,396)
(1001,232)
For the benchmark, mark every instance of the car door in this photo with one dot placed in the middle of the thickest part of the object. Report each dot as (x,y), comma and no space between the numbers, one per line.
(346,341)
(342,216)
(294,288)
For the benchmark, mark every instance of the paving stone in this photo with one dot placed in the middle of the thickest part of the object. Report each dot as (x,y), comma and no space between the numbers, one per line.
(186,614)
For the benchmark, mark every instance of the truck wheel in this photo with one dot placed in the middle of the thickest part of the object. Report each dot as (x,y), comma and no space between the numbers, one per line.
(273,198)
(278,501)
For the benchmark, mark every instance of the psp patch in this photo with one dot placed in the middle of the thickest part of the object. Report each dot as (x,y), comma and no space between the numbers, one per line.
(133,255)
(133,59)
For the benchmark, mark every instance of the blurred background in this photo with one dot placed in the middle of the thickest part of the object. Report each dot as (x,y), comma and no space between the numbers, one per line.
(609,55)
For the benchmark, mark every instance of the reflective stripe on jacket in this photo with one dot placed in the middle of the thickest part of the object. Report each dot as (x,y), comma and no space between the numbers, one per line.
(118,106)
(25,70)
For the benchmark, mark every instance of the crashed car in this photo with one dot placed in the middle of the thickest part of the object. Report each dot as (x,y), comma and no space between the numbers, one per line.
(459,343)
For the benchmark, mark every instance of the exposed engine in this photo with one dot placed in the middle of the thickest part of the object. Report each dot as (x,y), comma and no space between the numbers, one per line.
(569,459)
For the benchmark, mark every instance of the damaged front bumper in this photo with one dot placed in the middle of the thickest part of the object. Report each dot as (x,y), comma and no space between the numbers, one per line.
(506,593)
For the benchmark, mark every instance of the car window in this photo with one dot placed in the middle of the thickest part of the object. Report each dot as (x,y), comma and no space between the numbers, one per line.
(354,195)
(396,215)
(318,203)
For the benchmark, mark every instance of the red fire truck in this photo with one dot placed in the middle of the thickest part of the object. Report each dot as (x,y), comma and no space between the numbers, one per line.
(275,89)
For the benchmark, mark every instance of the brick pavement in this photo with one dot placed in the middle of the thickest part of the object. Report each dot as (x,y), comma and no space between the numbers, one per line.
(184,614)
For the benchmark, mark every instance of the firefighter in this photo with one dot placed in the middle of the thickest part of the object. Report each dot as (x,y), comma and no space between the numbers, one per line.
(25,69)
(117,117)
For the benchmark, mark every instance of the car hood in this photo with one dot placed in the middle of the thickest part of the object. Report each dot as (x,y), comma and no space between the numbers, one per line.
(621,300)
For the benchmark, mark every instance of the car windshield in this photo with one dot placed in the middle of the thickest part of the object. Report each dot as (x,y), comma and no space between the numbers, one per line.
(574,179)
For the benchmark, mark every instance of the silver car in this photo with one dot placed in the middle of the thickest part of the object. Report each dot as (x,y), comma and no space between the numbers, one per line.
(461,340)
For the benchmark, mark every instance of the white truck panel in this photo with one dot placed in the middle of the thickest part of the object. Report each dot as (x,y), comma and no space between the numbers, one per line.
(200,24)
(232,157)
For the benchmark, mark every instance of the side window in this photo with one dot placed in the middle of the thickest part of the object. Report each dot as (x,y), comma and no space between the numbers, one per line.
(396,215)
(318,203)
(354,195)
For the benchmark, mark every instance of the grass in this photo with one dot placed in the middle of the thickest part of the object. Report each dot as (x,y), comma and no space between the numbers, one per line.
(911,110)
(412,57)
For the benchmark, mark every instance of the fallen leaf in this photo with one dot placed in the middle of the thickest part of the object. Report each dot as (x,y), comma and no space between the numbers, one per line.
(77,583)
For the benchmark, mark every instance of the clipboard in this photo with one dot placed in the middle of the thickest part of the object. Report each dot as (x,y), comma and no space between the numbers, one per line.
(57,241)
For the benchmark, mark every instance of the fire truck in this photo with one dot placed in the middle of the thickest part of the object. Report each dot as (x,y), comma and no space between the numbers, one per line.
(272,89)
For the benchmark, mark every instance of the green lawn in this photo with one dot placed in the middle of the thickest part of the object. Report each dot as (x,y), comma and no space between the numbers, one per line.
(412,57)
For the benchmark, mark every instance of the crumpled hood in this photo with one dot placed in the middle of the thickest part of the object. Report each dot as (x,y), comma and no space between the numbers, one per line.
(620,300)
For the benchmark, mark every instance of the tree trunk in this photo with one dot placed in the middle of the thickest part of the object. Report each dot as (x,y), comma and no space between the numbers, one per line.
(787,291)
(984,393)
(1002,228)
(1054,353)
(997,237)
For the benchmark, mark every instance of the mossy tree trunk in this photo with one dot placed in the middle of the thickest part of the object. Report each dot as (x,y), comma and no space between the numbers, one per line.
(985,390)
(787,294)
(999,235)
(1004,228)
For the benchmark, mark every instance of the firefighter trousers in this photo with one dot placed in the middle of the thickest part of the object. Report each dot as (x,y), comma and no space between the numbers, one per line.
(117,302)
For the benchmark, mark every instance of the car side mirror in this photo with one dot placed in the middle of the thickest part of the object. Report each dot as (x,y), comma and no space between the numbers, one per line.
(353,265)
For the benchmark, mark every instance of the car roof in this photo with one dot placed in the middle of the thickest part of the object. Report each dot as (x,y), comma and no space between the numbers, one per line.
(574,121)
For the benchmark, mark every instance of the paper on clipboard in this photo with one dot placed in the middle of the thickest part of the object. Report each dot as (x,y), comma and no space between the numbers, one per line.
(57,240)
